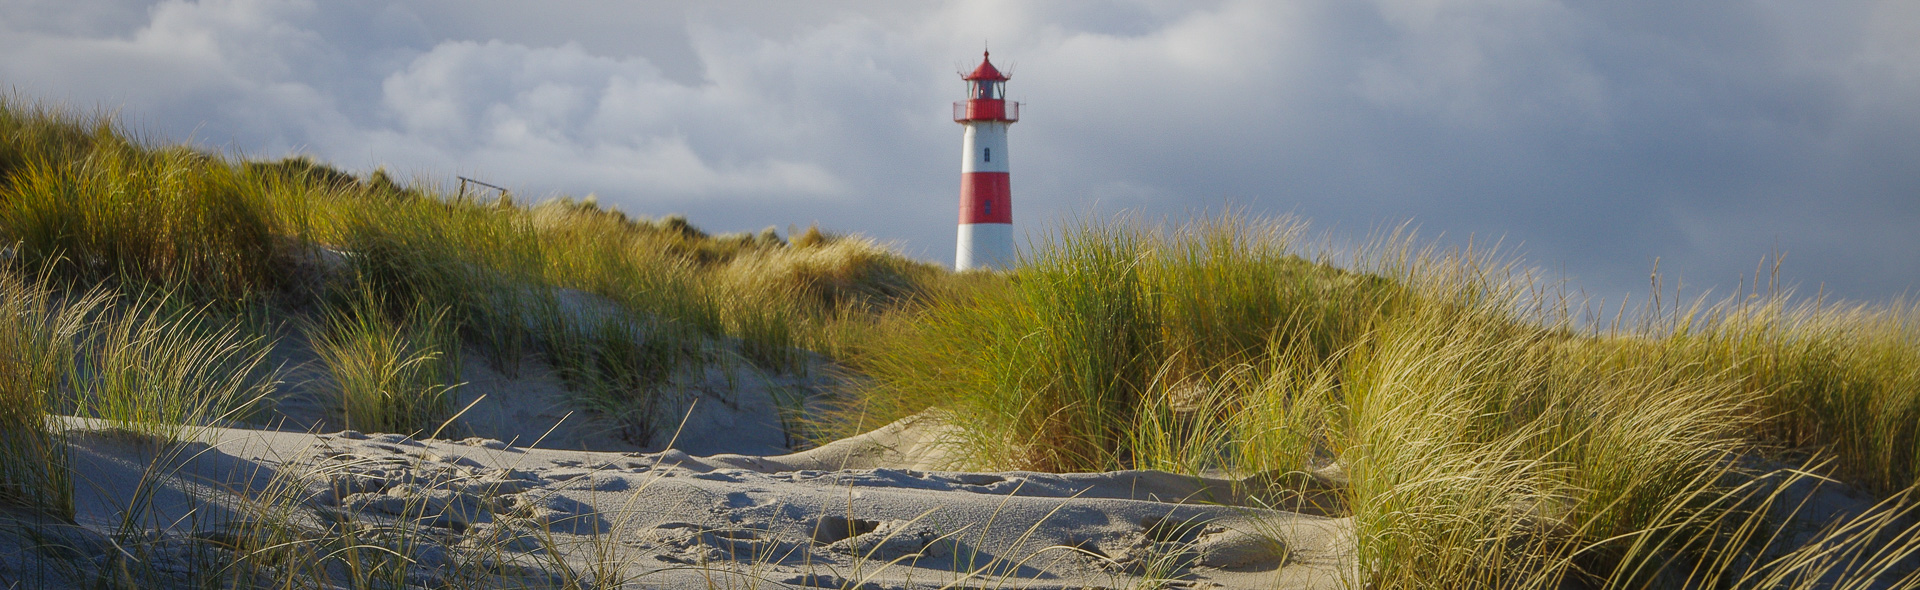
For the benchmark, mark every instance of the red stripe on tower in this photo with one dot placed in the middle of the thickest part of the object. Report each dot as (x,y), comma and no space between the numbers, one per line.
(985,197)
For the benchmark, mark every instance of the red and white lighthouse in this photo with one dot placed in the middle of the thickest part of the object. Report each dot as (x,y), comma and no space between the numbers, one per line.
(986,200)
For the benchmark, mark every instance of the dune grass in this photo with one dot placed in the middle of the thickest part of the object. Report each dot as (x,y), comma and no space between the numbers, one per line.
(84,201)
(160,366)
(390,372)
(37,354)
(622,367)
(35,131)
(1107,325)
(480,266)
(1841,377)
(171,217)
(1489,439)
(148,365)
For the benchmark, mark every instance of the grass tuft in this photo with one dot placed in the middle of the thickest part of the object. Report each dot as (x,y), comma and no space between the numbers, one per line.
(37,356)
(391,373)
(159,366)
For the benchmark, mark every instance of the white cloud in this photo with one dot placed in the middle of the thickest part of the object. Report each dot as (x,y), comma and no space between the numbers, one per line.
(558,116)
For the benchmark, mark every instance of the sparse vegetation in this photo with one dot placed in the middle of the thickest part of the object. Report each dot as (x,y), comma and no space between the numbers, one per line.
(390,374)
(38,336)
(621,368)
(159,367)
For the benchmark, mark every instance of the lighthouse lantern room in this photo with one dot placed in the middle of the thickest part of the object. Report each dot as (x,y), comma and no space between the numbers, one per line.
(986,199)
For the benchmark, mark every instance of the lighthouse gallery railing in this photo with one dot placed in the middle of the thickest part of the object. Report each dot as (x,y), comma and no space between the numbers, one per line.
(986,110)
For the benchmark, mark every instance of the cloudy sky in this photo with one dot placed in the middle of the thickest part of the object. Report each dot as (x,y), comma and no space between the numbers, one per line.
(1590,137)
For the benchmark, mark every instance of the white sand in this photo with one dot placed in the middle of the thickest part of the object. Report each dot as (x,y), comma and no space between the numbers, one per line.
(673,520)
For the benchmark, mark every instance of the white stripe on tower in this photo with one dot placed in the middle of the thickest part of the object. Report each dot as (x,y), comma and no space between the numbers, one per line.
(986,199)
(986,146)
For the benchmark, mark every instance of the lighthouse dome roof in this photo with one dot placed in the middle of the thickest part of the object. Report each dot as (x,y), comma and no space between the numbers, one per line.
(986,71)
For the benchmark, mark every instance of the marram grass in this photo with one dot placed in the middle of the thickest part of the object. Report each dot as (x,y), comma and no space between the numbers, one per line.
(149,366)
(391,371)
(172,217)
(38,336)
(83,199)
(1053,366)
(159,366)
(1489,441)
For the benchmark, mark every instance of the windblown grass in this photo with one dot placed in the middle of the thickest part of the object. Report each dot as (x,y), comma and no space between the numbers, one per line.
(147,366)
(37,356)
(1489,440)
(83,200)
(390,373)
(481,266)
(31,131)
(159,366)
(1107,320)
(631,263)
(1844,378)
(171,217)
(621,367)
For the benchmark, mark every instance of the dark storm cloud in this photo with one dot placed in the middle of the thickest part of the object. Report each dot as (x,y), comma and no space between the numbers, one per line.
(1597,136)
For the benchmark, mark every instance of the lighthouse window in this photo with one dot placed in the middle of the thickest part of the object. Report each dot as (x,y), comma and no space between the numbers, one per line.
(989,203)
(989,154)
(985,89)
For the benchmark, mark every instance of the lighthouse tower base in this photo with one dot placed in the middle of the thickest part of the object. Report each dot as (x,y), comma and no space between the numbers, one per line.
(984,245)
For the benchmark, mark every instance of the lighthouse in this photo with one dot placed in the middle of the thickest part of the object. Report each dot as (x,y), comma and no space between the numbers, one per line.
(986,200)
